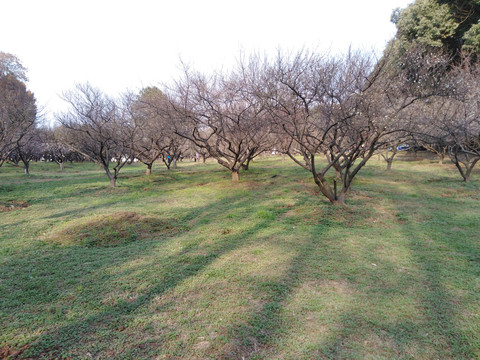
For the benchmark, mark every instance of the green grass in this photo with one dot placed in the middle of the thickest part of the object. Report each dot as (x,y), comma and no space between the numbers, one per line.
(184,264)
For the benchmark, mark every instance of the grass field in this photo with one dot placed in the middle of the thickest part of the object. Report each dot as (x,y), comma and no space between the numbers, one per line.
(184,264)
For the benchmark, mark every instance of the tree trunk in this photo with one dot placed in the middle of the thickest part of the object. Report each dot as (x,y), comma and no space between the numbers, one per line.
(338,172)
(27,172)
(174,163)
(441,157)
(204,158)
(149,169)
(325,189)
(466,178)
(62,166)
(112,177)
(235,175)
(389,164)
(340,201)
(340,197)
(246,165)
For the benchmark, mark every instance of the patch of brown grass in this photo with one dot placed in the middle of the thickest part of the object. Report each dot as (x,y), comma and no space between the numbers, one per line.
(114,229)
(13,205)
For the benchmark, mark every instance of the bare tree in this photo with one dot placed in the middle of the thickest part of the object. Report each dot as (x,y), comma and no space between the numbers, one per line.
(18,113)
(29,147)
(198,152)
(342,109)
(98,128)
(221,115)
(451,123)
(454,124)
(147,142)
(55,148)
(155,136)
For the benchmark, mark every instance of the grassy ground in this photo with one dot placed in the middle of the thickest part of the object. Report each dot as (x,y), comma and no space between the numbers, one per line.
(186,265)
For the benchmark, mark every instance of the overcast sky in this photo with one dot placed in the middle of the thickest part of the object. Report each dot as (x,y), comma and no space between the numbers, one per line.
(118,44)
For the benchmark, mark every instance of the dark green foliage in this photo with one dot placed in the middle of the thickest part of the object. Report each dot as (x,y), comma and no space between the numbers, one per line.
(448,25)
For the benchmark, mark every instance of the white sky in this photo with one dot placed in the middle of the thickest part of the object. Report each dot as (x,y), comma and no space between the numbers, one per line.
(128,44)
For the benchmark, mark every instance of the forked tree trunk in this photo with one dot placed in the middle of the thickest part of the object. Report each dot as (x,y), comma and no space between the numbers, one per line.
(389,159)
(468,164)
(389,164)
(111,176)
(340,200)
(326,190)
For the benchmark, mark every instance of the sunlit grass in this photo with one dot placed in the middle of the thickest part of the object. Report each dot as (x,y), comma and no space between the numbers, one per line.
(184,264)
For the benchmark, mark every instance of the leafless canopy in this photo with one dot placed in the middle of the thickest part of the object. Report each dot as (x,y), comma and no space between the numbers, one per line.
(222,115)
(98,128)
(341,109)
(18,112)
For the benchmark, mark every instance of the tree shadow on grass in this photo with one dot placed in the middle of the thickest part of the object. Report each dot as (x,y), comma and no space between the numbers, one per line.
(250,339)
(188,262)
(432,331)
(437,332)
(447,272)
(448,261)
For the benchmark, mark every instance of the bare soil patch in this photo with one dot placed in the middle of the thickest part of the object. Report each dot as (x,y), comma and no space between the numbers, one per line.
(115,229)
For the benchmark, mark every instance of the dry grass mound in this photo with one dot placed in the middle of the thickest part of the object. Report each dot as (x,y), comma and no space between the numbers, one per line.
(114,229)
(13,205)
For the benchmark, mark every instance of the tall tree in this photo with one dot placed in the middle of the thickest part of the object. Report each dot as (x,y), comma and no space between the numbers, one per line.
(18,113)
(439,24)
(98,128)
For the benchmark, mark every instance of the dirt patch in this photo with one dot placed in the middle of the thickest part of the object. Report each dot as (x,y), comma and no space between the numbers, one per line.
(114,229)
(13,205)
(7,352)
(226,231)
(202,345)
